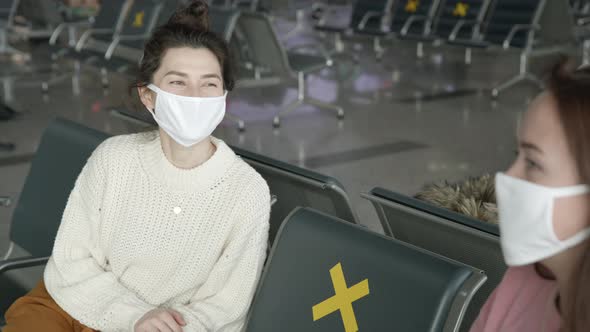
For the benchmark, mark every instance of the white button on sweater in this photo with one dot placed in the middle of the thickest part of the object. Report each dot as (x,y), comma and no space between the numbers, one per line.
(139,233)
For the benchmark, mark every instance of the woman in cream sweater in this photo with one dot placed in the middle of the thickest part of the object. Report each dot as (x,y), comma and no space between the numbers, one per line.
(167,230)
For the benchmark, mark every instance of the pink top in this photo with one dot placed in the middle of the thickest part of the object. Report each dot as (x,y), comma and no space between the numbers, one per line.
(522,302)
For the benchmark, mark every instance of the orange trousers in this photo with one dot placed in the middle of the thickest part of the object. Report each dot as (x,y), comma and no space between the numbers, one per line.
(37,311)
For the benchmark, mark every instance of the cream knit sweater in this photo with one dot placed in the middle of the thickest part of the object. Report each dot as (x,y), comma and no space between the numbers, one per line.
(138,233)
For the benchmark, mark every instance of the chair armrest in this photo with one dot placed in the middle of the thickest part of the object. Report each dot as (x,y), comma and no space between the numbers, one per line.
(88,33)
(62,26)
(517,28)
(368,15)
(253,4)
(21,263)
(5,201)
(463,23)
(315,46)
(115,43)
(411,20)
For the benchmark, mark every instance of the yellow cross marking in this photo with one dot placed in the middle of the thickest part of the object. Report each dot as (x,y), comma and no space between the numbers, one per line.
(412,6)
(342,300)
(461,9)
(138,22)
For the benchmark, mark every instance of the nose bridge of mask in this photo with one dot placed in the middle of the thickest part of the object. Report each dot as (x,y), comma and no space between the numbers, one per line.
(570,191)
(170,95)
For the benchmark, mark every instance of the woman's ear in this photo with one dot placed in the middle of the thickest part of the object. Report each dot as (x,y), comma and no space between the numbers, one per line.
(147,96)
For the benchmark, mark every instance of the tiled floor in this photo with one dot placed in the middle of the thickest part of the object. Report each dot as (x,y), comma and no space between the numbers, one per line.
(388,138)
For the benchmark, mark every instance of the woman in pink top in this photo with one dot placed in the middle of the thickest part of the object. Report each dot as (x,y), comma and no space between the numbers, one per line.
(544,208)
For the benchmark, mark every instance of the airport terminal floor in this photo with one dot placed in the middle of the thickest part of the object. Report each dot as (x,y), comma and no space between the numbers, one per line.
(415,113)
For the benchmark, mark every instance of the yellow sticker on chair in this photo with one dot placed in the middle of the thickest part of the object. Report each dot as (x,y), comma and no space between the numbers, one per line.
(342,300)
(412,6)
(461,9)
(138,21)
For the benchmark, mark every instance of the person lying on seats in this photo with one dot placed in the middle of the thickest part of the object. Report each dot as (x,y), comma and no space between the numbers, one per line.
(544,215)
(165,230)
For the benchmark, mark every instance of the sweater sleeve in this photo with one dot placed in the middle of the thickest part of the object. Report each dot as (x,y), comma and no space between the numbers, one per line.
(77,275)
(222,303)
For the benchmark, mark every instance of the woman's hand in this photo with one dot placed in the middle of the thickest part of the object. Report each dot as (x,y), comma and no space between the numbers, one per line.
(160,320)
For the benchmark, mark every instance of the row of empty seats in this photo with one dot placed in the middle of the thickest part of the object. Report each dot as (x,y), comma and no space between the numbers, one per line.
(113,42)
(434,284)
(533,27)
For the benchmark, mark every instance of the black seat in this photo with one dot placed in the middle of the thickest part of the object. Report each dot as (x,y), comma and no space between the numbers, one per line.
(105,25)
(533,27)
(444,232)
(267,53)
(320,265)
(63,151)
(223,21)
(409,11)
(507,23)
(448,14)
(366,18)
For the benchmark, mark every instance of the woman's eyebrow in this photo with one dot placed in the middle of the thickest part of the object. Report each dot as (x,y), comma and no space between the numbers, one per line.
(178,73)
(530,146)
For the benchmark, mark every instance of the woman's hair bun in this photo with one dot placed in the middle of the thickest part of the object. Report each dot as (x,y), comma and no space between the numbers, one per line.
(193,15)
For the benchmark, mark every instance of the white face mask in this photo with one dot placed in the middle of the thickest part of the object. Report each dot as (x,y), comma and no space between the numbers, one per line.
(526,220)
(188,120)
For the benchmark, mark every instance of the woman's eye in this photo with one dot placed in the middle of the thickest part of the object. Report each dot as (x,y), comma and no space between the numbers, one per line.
(177,83)
(211,85)
(530,164)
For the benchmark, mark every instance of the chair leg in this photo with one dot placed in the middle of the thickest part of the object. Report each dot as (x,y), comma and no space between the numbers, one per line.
(321,104)
(378,48)
(104,77)
(303,98)
(5,48)
(586,53)
(420,50)
(468,55)
(276,122)
(237,120)
(299,25)
(526,77)
(6,146)
(338,43)
(523,76)
(5,201)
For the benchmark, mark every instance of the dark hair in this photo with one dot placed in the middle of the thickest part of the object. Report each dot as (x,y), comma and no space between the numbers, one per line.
(187,27)
(570,89)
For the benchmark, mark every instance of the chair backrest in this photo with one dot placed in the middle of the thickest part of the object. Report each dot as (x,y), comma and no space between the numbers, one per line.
(8,9)
(446,233)
(505,14)
(362,7)
(295,186)
(320,264)
(450,12)
(41,14)
(263,45)
(62,153)
(557,24)
(404,9)
(223,21)
(111,15)
(142,17)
